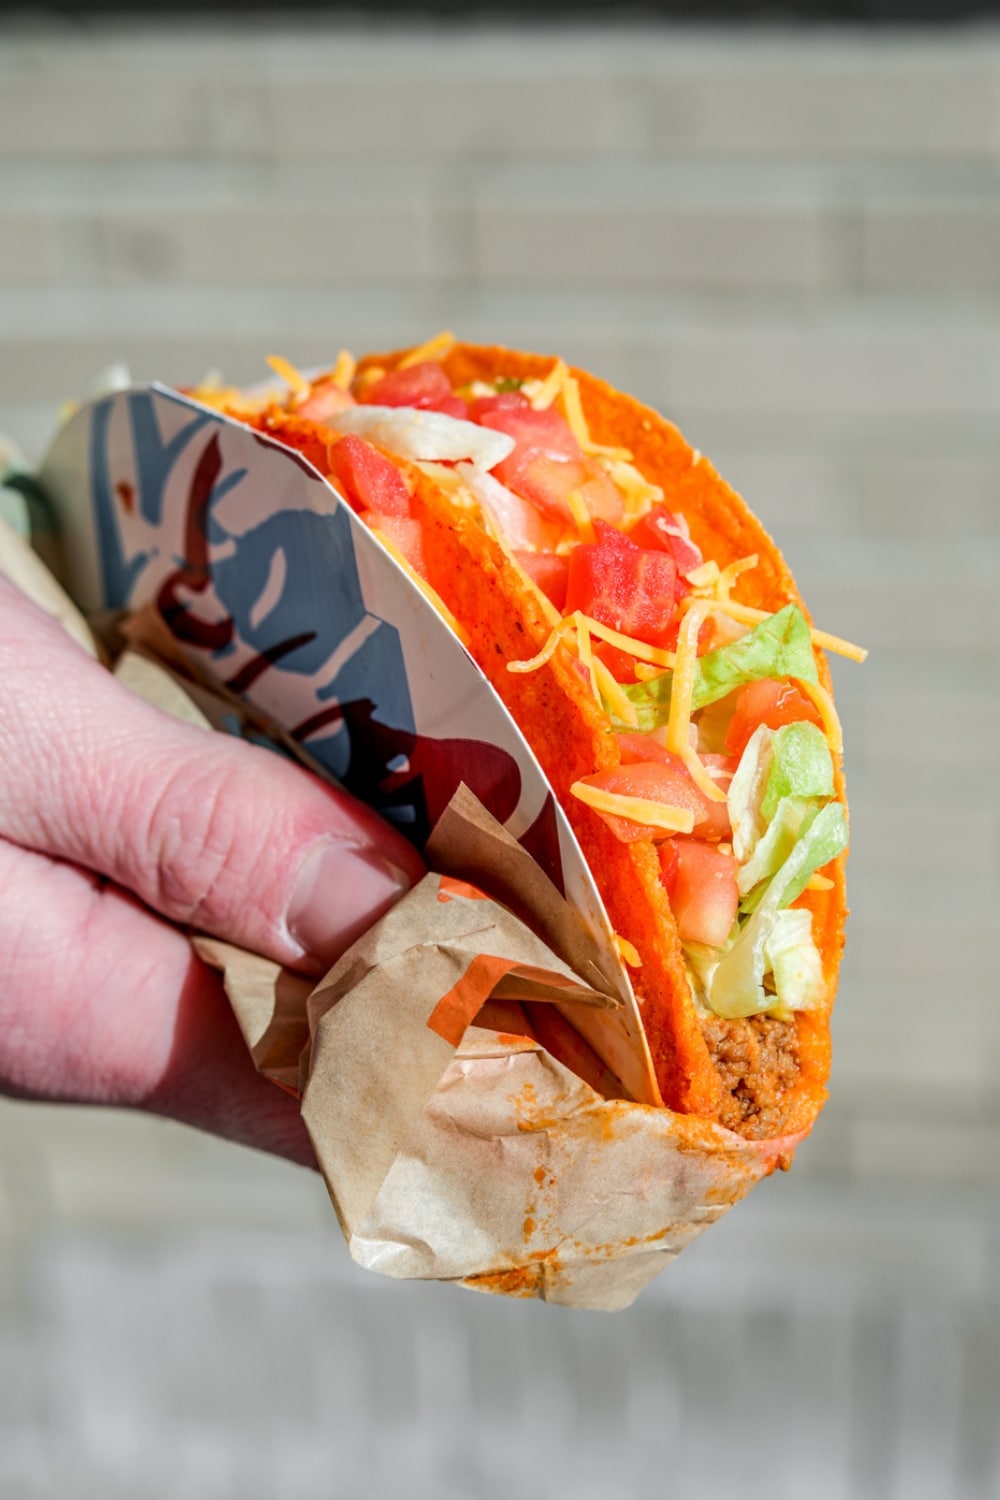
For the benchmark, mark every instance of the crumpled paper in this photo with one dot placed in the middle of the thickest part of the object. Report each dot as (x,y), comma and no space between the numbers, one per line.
(458,1151)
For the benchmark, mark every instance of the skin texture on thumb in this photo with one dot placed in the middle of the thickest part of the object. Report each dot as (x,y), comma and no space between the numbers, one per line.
(204,829)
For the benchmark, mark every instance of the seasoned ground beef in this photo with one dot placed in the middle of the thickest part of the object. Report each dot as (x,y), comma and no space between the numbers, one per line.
(758,1063)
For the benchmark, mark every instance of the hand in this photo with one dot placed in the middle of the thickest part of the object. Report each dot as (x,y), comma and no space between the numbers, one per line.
(117,822)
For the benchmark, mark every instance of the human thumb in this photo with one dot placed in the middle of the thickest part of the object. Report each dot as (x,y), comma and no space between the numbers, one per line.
(205,829)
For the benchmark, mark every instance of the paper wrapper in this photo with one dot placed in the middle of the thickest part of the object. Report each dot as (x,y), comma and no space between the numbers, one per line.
(455,1144)
(460,1152)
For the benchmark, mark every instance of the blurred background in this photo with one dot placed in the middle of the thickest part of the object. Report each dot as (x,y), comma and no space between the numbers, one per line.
(787,238)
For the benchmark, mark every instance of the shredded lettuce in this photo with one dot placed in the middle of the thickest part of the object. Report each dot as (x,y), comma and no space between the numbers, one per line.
(776,845)
(737,987)
(746,792)
(801,766)
(794,962)
(779,646)
(821,839)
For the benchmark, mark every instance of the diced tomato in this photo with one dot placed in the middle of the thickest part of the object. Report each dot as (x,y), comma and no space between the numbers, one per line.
(405,535)
(601,495)
(549,571)
(769,702)
(660,528)
(502,401)
(627,587)
(668,867)
(666,781)
(368,480)
(547,482)
(452,406)
(422,386)
(323,400)
(545,431)
(619,663)
(711,818)
(635,748)
(705,897)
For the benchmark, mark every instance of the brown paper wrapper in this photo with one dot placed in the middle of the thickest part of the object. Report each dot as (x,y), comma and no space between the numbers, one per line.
(457,1151)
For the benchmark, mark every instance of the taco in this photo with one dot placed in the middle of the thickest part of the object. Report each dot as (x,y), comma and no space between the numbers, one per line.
(648,638)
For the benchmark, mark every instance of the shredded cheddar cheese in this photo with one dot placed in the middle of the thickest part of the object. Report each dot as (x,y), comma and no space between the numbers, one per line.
(746,615)
(681,694)
(293,378)
(435,348)
(343,371)
(705,577)
(369,377)
(585,652)
(611,691)
(824,703)
(635,809)
(637,492)
(819,882)
(550,386)
(729,574)
(628,951)
(658,655)
(607,691)
(535,662)
(572,409)
(581,516)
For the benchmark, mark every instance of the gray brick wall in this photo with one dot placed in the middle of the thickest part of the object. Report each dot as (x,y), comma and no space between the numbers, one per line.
(790,242)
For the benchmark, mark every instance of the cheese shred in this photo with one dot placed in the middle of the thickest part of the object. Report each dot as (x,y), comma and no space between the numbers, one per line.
(550,386)
(614,698)
(824,704)
(585,651)
(535,662)
(729,575)
(581,516)
(343,371)
(635,809)
(681,695)
(435,348)
(628,951)
(749,616)
(293,378)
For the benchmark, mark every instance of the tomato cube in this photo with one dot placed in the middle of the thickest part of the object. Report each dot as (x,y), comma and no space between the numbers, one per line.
(422,386)
(502,401)
(405,534)
(366,478)
(664,779)
(668,867)
(323,400)
(705,897)
(627,587)
(660,528)
(711,819)
(549,571)
(545,431)
(771,702)
(619,663)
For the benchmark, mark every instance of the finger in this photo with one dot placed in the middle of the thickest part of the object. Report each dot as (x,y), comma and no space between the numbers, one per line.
(204,828)
(104,1003)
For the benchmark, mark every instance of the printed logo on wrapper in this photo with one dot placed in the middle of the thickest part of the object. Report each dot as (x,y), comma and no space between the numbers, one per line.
(272,587)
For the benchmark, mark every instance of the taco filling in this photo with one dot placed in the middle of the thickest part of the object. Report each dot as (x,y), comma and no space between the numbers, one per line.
(646,635)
